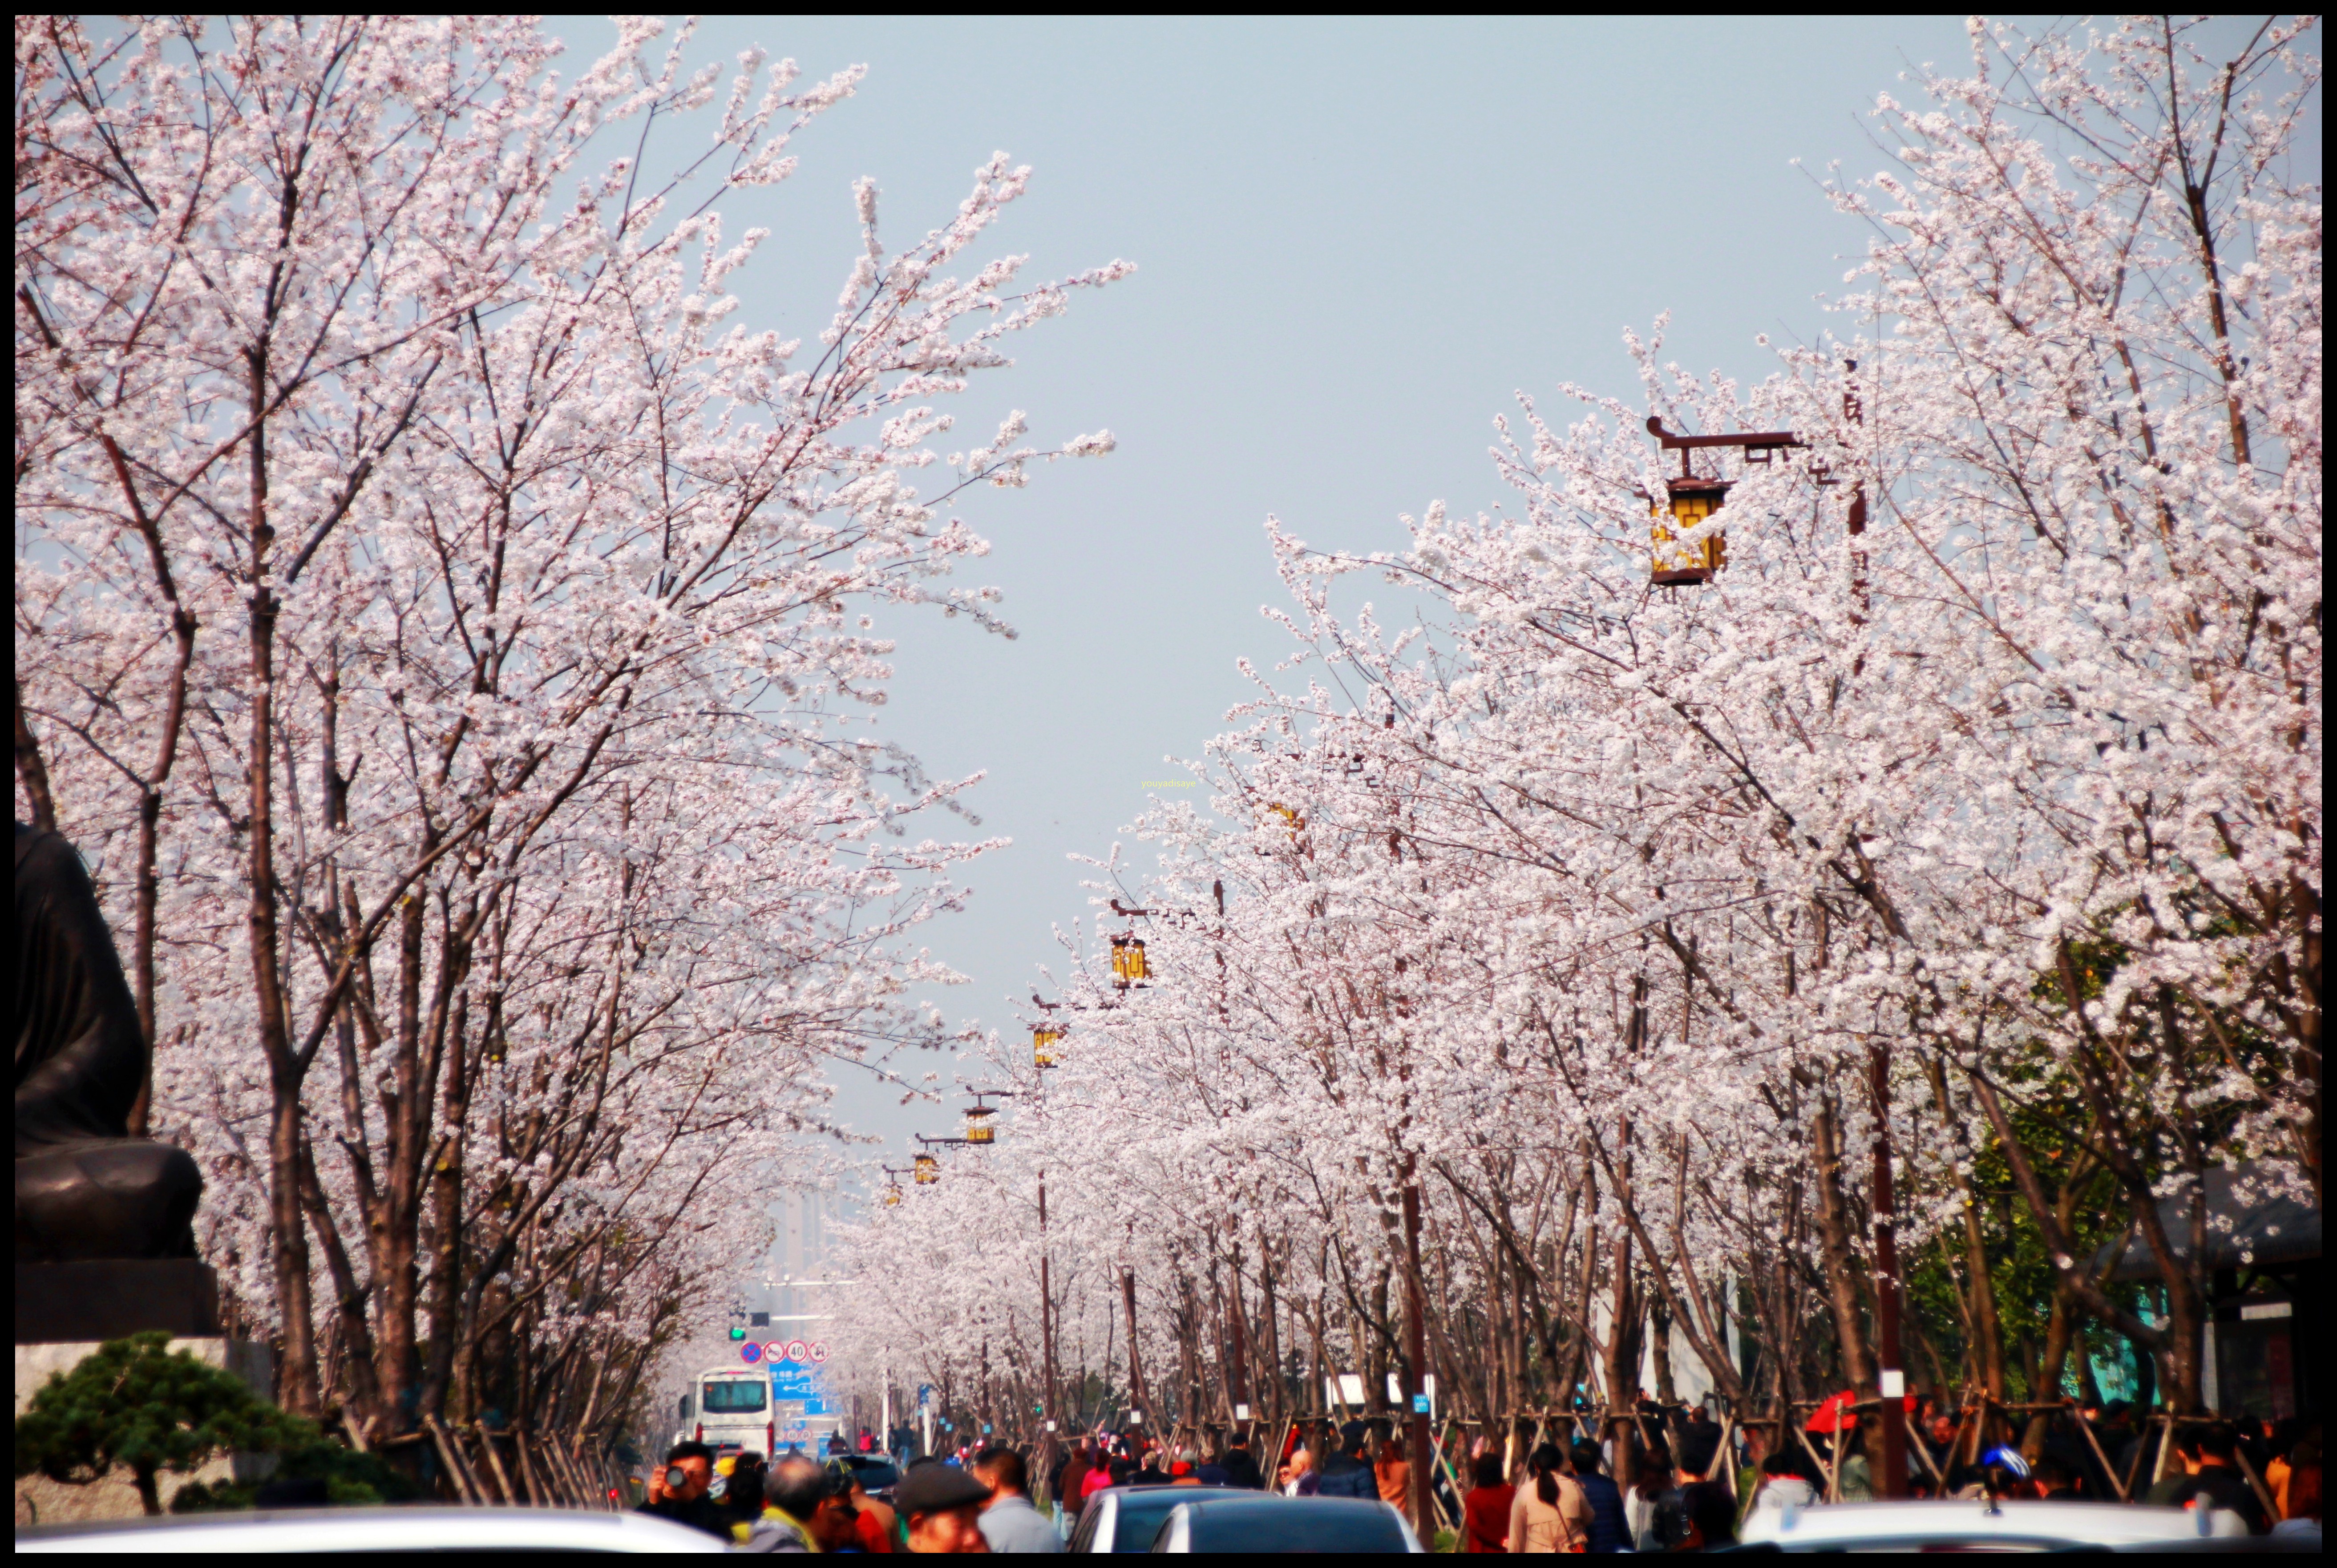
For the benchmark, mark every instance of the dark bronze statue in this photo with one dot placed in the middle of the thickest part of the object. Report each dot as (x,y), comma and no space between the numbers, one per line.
(85,1188)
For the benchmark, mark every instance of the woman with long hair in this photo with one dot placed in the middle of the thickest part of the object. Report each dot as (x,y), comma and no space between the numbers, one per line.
(1549,1513)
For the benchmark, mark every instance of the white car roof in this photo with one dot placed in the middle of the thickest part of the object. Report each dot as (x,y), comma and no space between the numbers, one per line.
(381,1529)
(2099,1524)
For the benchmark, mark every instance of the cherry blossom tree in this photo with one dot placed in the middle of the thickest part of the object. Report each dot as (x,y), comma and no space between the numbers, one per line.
(443,622)
(1974,799)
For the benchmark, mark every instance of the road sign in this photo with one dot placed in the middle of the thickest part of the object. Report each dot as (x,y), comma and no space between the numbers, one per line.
(924,1395)
(1419,1404)
(818,1351)
(799,1351)
(750,1352)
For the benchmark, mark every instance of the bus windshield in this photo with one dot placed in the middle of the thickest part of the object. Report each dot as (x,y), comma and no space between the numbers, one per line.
(735,1397)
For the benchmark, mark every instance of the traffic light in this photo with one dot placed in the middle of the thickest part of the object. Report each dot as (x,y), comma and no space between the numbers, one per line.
(737,1333)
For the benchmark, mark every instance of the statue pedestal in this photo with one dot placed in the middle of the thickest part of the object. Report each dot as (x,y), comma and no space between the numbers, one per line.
(107,1298)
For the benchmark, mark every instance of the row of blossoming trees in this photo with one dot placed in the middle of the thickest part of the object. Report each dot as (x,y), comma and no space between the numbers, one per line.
(439,623)
(1583,908)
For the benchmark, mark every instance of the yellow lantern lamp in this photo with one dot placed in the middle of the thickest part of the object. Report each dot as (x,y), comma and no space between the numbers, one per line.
(892,1195)
(1043,1047)
(1690,502)
(928,1170)
(978,1128)
(1128,965)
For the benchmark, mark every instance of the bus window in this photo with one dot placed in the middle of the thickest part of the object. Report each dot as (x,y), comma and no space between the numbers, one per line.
(735,1398)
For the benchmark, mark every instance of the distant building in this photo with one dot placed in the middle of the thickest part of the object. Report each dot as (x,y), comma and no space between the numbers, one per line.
(2263,1281)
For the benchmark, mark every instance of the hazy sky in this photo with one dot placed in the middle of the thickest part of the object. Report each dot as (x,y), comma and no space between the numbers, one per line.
(1357,242)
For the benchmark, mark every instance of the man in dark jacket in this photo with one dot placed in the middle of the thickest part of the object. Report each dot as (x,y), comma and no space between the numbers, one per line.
(1610,1529)
(1240,1466)
(1347,1474)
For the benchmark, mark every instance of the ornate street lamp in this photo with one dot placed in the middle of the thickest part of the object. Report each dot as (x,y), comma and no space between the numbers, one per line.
(1690,499)
(1128,965)
(1043,1042)
(893,1193)
(928,1169)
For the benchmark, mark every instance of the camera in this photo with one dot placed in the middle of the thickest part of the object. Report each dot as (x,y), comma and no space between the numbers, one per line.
(675,1478)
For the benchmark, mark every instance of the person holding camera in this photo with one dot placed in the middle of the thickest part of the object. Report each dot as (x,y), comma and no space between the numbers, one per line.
(678,1491)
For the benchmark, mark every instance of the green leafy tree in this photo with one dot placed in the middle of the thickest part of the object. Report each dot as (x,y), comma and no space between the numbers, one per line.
(348,1477)
(138,1403)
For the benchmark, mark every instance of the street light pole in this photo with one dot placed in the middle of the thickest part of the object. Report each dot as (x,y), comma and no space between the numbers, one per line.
(1237,1393)
(1415,1334)
(1046,1310)
(1135,1368)
(1890,1380)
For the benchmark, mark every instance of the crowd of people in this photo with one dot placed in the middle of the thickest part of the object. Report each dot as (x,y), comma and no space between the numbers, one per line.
(1690,1484)
(1695,1483)
(799,1504)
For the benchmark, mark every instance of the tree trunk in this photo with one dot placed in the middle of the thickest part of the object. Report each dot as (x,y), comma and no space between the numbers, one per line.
(297,1375)
(1842,1286)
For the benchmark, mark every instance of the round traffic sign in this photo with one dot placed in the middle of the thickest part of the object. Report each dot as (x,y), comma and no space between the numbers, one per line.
(750,1352)
(799,1351)
(819,1350)
(774,1352)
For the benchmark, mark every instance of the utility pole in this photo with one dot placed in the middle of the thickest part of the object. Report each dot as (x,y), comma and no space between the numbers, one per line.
(1135,1368)
(1415,1334)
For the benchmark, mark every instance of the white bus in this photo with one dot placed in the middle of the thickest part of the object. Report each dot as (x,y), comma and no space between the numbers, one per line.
(730,1411)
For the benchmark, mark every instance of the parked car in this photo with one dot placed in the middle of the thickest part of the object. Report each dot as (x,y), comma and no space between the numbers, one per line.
(1266,1522)
(386,1529)
(876,1473)
(1126,1518)
(2002,1526)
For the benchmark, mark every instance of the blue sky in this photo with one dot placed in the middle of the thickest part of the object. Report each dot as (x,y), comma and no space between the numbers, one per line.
(1357,242)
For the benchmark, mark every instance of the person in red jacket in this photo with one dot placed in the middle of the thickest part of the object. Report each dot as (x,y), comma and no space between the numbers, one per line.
(1485,1512)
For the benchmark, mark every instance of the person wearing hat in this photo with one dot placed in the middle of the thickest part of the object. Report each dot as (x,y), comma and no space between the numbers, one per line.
(942,1505)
